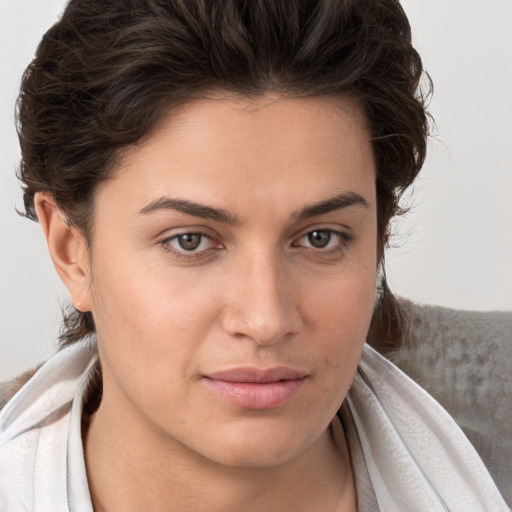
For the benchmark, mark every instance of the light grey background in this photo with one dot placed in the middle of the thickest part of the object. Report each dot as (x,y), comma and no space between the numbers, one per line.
(455,246)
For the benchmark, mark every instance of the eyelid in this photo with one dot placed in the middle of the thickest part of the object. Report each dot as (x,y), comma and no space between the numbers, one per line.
(184,254)
(333,228)
(345,238)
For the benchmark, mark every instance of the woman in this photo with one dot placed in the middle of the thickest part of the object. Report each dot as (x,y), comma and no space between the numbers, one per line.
(215,183)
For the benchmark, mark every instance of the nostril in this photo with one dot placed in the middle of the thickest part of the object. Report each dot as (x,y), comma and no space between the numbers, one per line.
(261,325)
(263,304)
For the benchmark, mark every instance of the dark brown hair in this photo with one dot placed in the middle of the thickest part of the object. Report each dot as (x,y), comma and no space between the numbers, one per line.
(107,71)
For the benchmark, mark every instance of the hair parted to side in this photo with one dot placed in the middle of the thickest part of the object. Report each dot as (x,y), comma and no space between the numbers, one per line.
(107,72)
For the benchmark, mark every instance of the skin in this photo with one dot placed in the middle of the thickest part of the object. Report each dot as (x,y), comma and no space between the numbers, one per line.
(255,293)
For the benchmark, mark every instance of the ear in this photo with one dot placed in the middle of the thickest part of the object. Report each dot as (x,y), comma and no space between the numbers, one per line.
(68,250)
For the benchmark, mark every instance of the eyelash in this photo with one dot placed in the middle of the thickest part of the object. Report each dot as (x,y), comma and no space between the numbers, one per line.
(341,246)
(344,240)
(184,254)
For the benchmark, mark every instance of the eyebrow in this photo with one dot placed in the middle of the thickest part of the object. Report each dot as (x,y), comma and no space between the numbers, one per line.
(338,202)
(190,208)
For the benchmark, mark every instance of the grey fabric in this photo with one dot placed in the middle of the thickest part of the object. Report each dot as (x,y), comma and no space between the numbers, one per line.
(464,360)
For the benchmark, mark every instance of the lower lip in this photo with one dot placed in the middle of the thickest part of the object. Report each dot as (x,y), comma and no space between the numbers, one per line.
(254,395)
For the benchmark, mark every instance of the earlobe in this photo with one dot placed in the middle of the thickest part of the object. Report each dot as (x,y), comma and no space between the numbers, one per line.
(68,250)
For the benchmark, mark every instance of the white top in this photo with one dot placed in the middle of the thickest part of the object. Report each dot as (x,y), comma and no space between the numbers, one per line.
(408,454)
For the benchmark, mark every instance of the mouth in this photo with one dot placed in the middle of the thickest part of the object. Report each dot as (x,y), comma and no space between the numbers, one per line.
(253,388)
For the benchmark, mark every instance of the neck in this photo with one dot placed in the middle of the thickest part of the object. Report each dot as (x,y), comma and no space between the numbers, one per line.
(136,469)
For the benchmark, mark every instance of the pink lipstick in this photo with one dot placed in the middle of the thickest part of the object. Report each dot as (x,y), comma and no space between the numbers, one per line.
(252,388)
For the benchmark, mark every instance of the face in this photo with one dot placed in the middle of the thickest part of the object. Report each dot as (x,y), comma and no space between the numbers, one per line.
(233,275)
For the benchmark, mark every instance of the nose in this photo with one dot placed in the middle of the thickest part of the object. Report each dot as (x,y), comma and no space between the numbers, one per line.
(263,301)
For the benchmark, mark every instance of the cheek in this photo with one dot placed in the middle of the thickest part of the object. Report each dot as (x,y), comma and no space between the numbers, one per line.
(139,297)
(150,329)
(149,323)
(339,314)
(342,301)
(343,304)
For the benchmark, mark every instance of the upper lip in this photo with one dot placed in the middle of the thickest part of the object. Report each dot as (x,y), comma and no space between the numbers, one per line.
(257,375)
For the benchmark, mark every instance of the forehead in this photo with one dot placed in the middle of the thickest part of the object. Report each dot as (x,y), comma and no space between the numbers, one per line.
(263,121)
(268,148)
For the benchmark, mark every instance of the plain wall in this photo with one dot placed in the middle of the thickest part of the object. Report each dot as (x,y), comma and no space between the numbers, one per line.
(455,245)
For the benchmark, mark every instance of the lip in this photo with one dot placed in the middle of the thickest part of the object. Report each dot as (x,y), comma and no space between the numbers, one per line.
(254,388)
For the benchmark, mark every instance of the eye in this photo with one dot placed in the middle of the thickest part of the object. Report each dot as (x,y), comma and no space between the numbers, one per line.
(189,244)
(325,239)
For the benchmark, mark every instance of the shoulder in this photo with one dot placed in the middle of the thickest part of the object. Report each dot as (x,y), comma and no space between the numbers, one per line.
(9,388)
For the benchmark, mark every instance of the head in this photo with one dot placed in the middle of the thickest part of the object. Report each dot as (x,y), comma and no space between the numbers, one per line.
(115,94)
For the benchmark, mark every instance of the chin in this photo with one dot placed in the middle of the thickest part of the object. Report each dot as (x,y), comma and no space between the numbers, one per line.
(259,447)
(256,457)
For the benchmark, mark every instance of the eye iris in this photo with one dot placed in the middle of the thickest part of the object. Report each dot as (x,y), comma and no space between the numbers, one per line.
(189,241)
(319,239)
